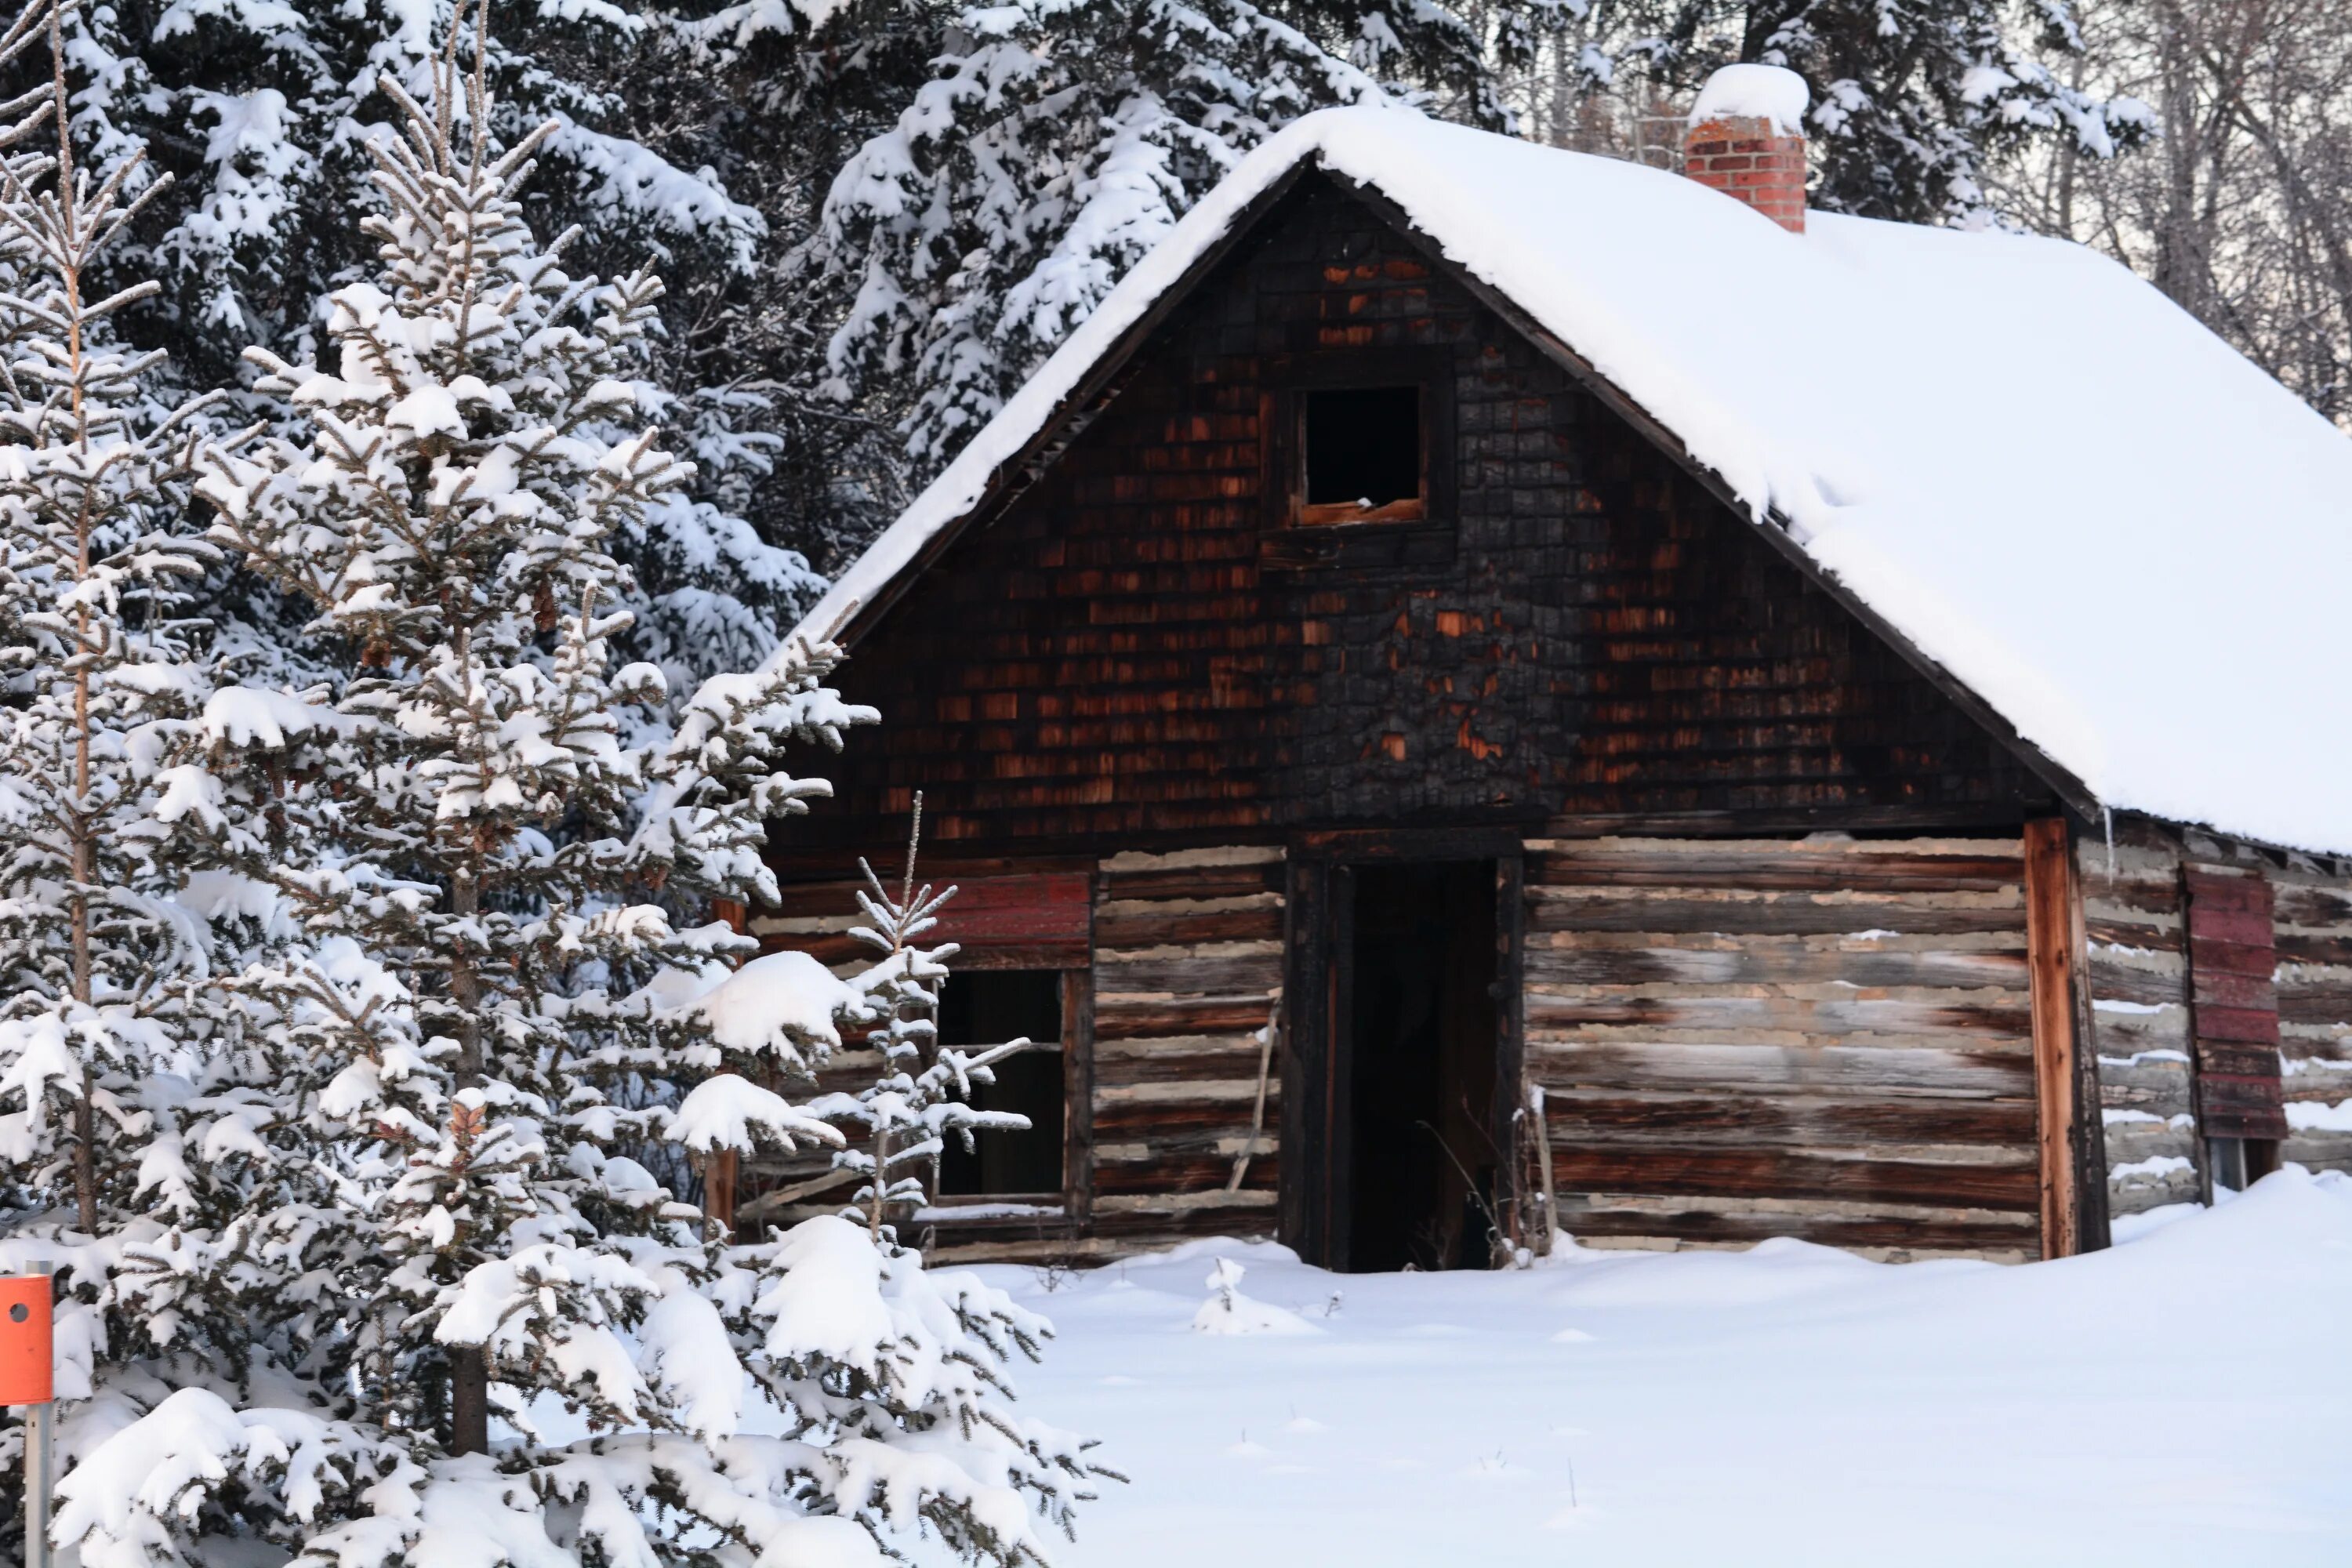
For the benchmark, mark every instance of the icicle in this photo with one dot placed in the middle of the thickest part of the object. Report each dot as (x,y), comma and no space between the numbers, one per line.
(2108,821)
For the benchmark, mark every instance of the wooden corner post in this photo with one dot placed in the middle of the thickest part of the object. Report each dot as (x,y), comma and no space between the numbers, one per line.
(2073,1184)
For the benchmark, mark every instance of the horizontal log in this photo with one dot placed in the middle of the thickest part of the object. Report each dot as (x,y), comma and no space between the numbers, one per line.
(1201,1122)
(2004,1015)
(1706,1120)
(1137,1223)
(1117,1020)
(1775,1173)
(1195,881)
(1889,1071)
(1194,974)
(2308,947)
(2128,1033)
(2317,1149)
(1793,914)
(1115,932)
(2160,1088)
(2314,906)
(1904,1234)
(1767,962)
(1859,867)
(1179,1067)
(2142,982)
(2106,931)
(1184,1174)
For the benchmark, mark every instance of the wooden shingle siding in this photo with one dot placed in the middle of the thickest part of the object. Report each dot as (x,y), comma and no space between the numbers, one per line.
(1187,980)
(1829,1040)
(1112,660)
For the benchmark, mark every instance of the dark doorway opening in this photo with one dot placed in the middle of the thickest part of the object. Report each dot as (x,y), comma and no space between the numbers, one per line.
(1421,1163)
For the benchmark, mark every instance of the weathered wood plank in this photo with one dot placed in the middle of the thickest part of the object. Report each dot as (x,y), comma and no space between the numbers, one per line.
(1764,962)
(1671,1171)
(2004,1236)
(1774,914)
(1789,1121)
(1116,1019)
(1125,1121)
(1778,865)
(2234,1007)
(1174,1171)
(2055,951)
(1215,969)
(2002,1016)
(1115,933)
(1894,1072)
(1177,1067)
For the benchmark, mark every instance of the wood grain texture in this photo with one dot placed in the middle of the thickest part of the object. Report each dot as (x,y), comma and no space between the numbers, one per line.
(1829,1032)
(2313,918)
(2234,1001)
(2138,970)
(2055,959)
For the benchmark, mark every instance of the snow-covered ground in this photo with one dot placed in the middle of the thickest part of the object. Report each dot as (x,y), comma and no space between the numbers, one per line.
(2185,1398)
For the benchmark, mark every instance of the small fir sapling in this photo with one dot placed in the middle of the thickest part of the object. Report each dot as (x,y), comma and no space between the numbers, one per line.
(921,1094)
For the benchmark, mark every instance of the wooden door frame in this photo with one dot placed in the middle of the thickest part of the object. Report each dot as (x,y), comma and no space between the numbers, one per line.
(2070,1138)
(1319,909)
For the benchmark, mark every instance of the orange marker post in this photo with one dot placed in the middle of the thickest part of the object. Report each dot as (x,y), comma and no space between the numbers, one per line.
(26,1357)
(27,1362)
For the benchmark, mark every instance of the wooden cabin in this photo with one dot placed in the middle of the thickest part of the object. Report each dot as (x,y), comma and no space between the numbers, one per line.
(1420,783)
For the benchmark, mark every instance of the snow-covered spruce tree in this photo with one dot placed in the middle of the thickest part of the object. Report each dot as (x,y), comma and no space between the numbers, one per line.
(1911,102)
(1055,145)
(541,1355)
(264,114)
(139,1133)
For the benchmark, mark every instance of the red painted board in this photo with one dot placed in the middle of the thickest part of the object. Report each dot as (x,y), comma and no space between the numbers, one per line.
(1049,909)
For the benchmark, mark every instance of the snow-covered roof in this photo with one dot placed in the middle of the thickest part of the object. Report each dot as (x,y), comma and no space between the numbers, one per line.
(2124,538)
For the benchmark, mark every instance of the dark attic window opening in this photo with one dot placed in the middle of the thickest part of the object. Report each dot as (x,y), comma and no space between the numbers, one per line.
(988,1008)
(1366,458)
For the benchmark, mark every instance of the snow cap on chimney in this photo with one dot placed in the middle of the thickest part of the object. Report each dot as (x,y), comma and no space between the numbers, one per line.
(1747,140)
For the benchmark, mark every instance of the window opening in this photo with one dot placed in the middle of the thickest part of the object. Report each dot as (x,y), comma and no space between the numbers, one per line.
(1364,455)
(2236,1163)
(988,1008)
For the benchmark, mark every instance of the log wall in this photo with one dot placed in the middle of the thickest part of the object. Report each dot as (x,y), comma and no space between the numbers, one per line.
(2144,1009)
(1829,1040)
(2138,970)
(1187,983)
(2313,935)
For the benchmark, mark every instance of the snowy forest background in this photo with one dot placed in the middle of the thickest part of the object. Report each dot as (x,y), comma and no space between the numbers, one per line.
(419,427)
(876,218)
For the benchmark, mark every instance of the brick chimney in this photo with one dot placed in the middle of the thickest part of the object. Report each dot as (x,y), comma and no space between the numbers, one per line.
(1747,138)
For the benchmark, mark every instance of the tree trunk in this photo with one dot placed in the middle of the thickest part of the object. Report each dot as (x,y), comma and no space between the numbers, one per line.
(469,1365)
